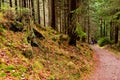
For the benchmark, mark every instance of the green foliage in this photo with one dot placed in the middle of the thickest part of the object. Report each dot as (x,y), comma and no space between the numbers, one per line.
(52,78)
(24,10)
(104,41)
(54,39)
(3,74)
(4,7)
(79,31)
(77,11)
(23,15)
(37,66)
(1,30)
(18,24)
(22,69)
(10,68)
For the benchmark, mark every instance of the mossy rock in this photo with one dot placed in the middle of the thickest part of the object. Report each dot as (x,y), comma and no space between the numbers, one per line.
(28,53)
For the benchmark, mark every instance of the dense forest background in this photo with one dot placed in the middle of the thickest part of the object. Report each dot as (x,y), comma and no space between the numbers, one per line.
(51,39)
(88,19)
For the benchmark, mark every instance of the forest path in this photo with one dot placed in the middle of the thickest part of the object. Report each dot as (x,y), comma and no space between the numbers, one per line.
(107,66)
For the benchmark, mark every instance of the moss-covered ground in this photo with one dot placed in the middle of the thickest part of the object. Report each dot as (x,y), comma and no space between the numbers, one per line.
(54,59)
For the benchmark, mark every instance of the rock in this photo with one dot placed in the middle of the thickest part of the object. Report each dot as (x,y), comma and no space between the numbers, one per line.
(38,34)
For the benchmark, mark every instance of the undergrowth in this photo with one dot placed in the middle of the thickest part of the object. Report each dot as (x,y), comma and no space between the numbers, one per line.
(54,59)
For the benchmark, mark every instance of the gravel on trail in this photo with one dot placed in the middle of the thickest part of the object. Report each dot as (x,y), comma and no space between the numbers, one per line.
(107,65)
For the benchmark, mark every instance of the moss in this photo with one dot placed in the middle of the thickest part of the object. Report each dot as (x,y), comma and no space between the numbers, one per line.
(28,53)
(10,68)
(37,66)
(57,62)
(52,77)
(3,74)
(21,69)
(54,39)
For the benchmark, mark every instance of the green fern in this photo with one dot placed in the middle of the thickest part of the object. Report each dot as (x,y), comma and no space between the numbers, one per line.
(79,31)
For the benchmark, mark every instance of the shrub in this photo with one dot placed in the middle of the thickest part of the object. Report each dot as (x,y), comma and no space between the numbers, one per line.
(104,41)
(80,33)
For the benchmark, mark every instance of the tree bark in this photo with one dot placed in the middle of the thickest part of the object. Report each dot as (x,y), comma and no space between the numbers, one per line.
(72,27)
(104,29)
(53,21)
(33,10)
(3,2)
(101,29)
(0,4)
(10,1)
(38,9)
(16,5)
(44,12)
(116,33)
(111,31)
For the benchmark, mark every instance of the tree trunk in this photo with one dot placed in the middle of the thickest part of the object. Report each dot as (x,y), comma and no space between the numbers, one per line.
(72,27)
(53,21)
(10,1)
(49,10)
(88,29)
(38,6)
(101,29)
(104,29)
(44,12)
(33,10)
(84,29)
(0,5)
(3,2)
(24,3)
(116,33)
(29,4)
(111,31)
(16,5)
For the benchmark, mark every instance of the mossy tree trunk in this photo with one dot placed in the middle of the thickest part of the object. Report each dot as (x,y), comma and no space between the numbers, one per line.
(71,31)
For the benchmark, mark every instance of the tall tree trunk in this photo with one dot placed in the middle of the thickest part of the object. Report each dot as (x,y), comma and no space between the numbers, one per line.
(111,30)
(84,29)
(29,4)
(20,3)
(116,33)
(104,29)
(44,12)
(53,21)
(16,5)
(0,5)
(88,29)
(10,1)
(33,10)
(72,27)
(68,16)
(24,3)
(101,29)
(49,10)
(88,24)
(3,2)
(38,9)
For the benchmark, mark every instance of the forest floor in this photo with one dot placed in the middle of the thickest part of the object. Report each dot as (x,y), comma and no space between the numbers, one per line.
(54,59)
(107,66)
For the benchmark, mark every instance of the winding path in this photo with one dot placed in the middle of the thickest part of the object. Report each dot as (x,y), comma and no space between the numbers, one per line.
(107,65)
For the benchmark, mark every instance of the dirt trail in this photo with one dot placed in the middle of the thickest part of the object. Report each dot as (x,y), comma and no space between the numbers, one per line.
(107,65)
